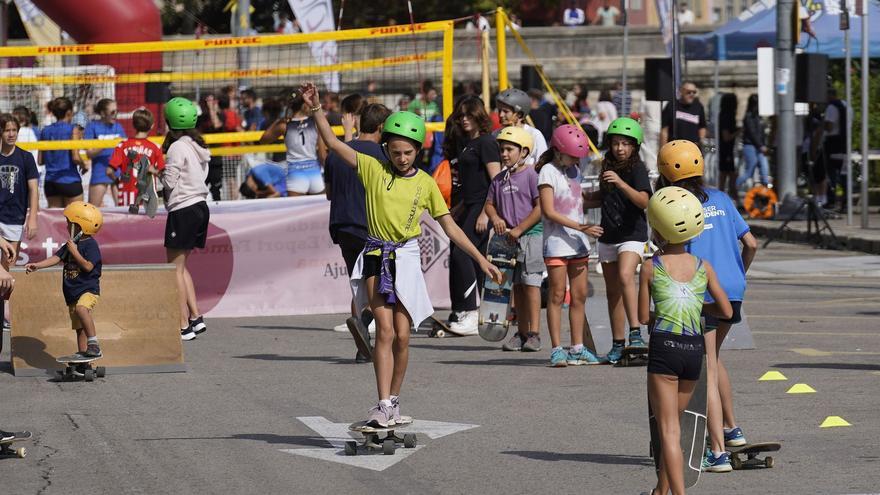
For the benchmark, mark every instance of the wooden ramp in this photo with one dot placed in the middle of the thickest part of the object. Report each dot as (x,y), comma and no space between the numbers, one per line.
(136,320)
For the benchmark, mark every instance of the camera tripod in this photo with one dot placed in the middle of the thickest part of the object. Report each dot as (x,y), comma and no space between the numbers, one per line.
(814,215)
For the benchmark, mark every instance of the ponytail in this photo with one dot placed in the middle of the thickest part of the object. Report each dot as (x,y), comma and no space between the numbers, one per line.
(547,157)
(693,185)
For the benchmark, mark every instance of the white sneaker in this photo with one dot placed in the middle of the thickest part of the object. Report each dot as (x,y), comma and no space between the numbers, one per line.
(341,328)
(466,324)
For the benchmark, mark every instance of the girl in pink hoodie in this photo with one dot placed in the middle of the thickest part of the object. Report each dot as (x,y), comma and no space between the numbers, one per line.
(186,167)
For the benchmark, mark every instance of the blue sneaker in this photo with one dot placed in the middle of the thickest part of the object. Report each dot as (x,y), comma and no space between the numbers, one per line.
(720,464)
(635,339)
(734,437)
(559,358)
(583,357)
(614,354)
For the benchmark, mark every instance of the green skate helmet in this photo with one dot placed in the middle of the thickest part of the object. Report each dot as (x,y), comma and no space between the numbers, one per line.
(404,124)
(181,113)
(625,126)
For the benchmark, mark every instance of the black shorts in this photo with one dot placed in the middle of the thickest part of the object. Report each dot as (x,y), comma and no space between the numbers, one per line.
(71,190)
(373,266)
(676,355)
(187,228)
(351,247)
(712,322)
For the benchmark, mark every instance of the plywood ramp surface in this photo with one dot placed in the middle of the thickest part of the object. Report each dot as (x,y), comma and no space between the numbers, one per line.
(136,321)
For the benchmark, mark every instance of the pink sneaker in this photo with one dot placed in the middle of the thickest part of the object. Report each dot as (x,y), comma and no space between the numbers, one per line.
(381,416)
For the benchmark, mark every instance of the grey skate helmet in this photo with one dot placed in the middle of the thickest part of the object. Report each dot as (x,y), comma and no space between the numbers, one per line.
(516,99)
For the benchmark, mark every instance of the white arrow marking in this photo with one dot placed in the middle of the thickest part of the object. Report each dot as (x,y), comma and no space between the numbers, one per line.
(336,434)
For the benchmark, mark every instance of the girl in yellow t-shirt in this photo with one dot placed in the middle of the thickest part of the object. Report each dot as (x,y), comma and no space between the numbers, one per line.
(388,275)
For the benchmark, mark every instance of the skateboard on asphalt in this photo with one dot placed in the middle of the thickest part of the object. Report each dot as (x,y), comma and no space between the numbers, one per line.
(440,329)
(750,451)
(633,356)
(496,298)
(361,335)
(387,442)
(5,446)
(70,363)
(693,432)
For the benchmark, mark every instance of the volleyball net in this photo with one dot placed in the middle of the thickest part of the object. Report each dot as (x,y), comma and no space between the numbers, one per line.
(385,64)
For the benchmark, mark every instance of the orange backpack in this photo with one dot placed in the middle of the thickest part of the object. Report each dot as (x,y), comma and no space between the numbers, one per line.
(443,176)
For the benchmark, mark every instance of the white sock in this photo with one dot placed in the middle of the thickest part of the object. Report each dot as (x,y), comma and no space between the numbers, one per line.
(92,340)
(385,402)
(557,348)
(576,348)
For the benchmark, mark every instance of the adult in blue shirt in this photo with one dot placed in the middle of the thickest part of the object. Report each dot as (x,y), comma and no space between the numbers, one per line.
(348,212)
(19,183)
(62,184)
(266,180)
(106,127)
(730,247)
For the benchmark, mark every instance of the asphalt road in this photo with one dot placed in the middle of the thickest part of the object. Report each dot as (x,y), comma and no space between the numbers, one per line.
(265,403)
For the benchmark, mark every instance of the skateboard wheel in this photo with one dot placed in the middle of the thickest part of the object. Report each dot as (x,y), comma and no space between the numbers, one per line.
(410,441)
(89,375)
(351,448)
(440,334)
(736,462)
(768,462)
(388,447)
(21,452)
(489,258)
(101,372)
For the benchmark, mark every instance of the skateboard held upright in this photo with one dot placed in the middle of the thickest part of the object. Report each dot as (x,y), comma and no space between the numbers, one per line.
(496,298)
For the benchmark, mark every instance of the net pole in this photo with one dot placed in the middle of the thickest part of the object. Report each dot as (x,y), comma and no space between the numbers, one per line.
(484,55)
(448,45)
(501,49)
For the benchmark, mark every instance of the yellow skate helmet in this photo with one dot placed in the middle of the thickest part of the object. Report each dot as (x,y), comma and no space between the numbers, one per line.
(517,136)
(676,214)
(87,216)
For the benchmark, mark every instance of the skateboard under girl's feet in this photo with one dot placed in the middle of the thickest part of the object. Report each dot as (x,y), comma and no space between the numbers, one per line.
(633,356)
(388,442)
(750,451)
(7,451)
(73,362)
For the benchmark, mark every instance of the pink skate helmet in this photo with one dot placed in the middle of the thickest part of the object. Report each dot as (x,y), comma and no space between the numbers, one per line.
(570,140)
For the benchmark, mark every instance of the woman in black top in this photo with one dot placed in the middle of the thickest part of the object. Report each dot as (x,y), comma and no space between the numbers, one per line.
(474,157)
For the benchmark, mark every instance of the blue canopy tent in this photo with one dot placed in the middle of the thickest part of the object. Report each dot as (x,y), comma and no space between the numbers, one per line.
(740,39)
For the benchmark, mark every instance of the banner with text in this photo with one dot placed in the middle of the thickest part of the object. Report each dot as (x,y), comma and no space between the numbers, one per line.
(264,257)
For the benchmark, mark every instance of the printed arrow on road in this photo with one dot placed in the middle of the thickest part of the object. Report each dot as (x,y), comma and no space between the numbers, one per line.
(336,434)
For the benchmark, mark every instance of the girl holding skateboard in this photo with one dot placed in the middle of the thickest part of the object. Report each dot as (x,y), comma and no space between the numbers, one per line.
(513,209)
(676,282)
(730,247)
(388,274)
(624,190)
(566,245)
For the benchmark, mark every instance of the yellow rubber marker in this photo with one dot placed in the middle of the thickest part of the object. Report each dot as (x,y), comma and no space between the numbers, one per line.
(772,376)
(832,421)
(801,388)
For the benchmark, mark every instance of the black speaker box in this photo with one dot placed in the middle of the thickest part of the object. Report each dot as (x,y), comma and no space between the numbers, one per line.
(811,78)
(658,80)
(529,78)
